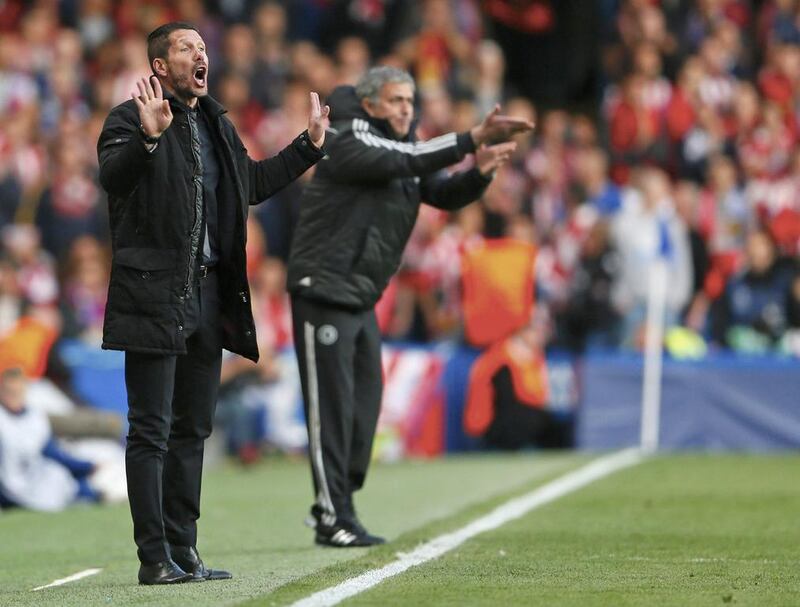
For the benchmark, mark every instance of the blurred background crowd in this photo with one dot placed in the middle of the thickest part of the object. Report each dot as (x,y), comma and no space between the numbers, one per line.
(654,117)
(662,125)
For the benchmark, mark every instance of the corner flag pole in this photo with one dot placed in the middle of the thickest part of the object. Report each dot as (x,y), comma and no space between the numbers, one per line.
(653,353)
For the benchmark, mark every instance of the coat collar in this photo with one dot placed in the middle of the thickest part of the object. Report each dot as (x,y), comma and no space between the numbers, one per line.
(345,105)
(211,106)
(385,127)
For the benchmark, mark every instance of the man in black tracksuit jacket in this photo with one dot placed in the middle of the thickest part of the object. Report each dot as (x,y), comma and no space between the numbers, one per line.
(179,183)
(355,218)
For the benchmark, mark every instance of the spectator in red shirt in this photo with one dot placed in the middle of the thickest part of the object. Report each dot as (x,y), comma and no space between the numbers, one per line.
(765,152)
(635,130)
(681,113)
(779,79)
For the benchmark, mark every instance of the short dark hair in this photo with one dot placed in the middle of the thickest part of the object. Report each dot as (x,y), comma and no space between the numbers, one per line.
(158,40)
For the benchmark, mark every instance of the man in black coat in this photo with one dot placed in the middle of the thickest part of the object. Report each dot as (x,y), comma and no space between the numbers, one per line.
(179,184)
(355,218)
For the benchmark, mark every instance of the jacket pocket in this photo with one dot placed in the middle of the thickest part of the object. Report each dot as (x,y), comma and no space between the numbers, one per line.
(141,276)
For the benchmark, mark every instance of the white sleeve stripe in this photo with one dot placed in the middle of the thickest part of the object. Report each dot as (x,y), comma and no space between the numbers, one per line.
(406,148)
(435,144)
(441,141)
(377,142)
(428,147)
(360,125)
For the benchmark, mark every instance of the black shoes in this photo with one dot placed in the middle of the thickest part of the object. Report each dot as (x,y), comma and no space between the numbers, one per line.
(165,572)
(343,533)
(188,559)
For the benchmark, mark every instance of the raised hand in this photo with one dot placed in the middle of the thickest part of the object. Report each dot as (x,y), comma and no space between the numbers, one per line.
(318,121)
(496,128)
(155,114)
(488,158)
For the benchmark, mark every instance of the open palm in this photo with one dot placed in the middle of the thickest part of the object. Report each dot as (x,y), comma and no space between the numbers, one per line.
(155,114)
(318,121)
(497,128)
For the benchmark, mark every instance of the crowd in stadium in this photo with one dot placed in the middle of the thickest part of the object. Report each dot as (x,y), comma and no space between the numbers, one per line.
(682,138)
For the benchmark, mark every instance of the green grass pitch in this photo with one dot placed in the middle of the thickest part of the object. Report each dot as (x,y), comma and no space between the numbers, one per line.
(674,530)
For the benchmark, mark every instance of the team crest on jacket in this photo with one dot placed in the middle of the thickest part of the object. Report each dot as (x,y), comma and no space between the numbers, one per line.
(327,335)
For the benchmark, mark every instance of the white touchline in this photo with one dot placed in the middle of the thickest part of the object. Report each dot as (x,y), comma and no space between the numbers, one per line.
(512,509)
(67,580)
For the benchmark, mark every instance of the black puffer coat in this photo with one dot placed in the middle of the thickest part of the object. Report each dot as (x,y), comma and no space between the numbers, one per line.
(358,211)
(156,221)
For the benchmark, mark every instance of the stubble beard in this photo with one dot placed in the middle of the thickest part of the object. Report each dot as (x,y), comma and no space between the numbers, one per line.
(398,134)
(184,90)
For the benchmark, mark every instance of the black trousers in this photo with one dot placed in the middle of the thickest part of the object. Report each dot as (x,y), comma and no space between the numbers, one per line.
(171,401)
(339,356)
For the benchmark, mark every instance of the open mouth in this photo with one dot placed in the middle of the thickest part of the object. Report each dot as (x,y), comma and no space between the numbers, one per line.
(200,75)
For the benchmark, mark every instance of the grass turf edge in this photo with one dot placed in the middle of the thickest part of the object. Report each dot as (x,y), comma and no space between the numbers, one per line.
(380,556)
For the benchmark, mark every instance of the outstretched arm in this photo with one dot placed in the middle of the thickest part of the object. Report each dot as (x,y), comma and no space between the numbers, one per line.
(273,174)
(461,189)
(361,155)
(358,155)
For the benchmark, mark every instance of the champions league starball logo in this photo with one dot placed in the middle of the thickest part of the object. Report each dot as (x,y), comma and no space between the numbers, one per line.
(327,335)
